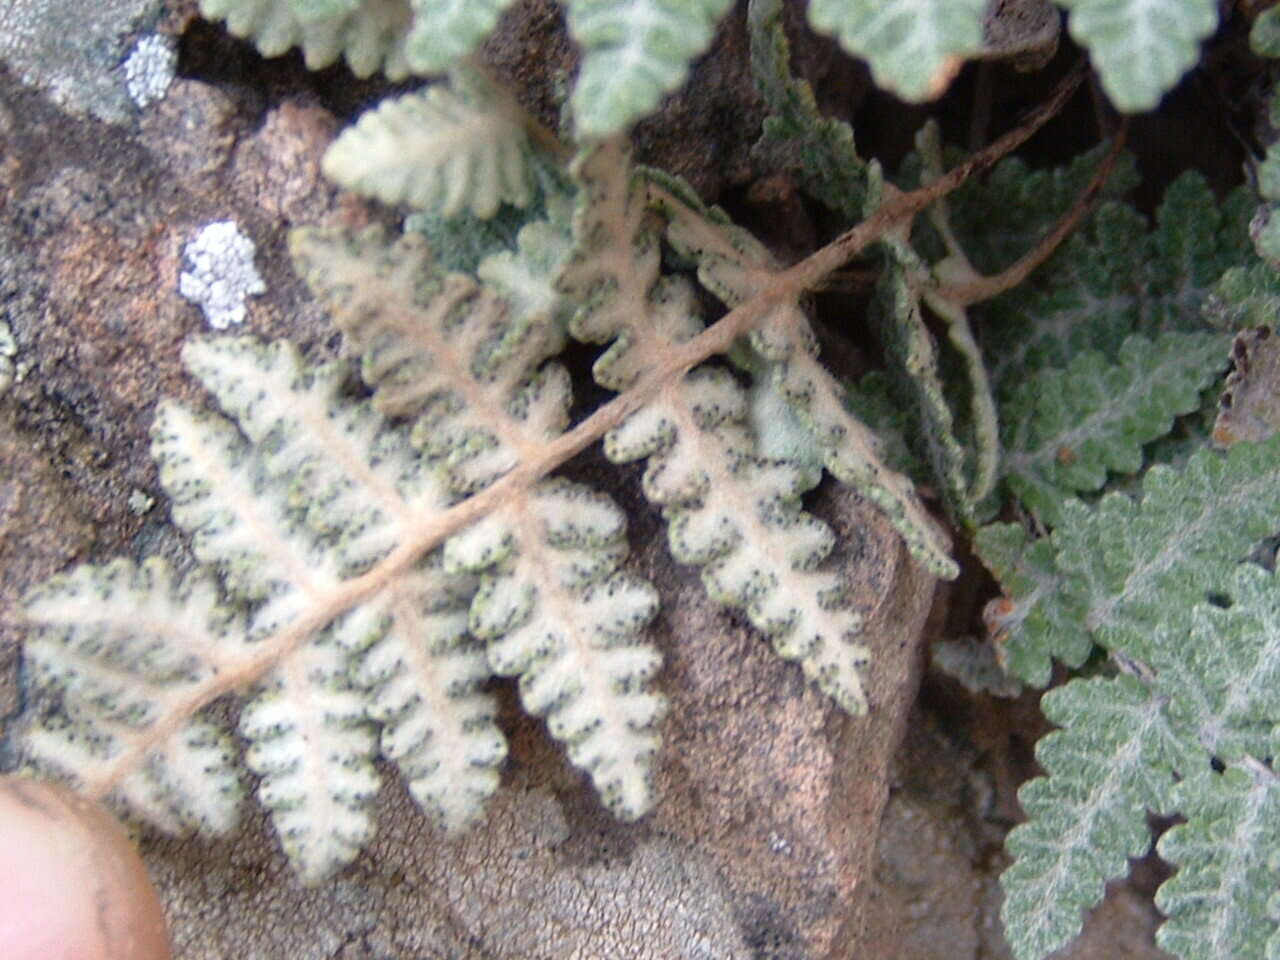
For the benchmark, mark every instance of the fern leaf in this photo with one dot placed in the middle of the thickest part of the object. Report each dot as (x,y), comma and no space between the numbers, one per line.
(1220,903)
(734,266)
(758,550)
(436,151)
(634,52)
(470,368)
(1114,761)
(1066,430)
(914,47)
(565,621)
(311,743)
(795,134)
(1116,278)
(911,346)
(445,31)
(291,509)
(1141,48)
(128,645)
(370,34)
(1125,568)
(415,654)
(1002,217)
(1202,700)
(1245,297)
(1221,679)
(1032,624)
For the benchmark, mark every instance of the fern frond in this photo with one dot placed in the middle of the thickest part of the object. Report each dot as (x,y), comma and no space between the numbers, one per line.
(634,52)
(445,31)
(1114,761)
(291,509)
(1002,217)
(911,346)
(471,369)
(1202,700)
(1140,48)
(1066,430)
(1124,568)
(437,151)
(914,47)
(370,34)
(734,266)
(795,134)
(128,646)
(758,550)
(1116,278)
(565,621)
(1221,901)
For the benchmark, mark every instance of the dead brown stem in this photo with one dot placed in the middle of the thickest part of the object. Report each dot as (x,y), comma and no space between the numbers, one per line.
(984,288)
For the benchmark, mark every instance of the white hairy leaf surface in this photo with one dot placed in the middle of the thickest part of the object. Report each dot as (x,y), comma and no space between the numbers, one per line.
(439,151)
(1141,48)
(634,52)
(914,47)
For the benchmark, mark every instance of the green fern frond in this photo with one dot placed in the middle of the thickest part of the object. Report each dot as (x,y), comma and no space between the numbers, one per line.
(1002,217)
(634,52)
(1203,698)
(1116,278)
(795,134)
(1066,430)
(914,47)
(1123,568)
(438,151)
(1114,761)
(446,31)
(1221,901)
(369,34)
(1139,48)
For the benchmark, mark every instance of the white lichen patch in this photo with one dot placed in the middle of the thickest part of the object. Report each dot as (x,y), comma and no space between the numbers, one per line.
(150,68)
(140,502)
(8,350)
(220,274)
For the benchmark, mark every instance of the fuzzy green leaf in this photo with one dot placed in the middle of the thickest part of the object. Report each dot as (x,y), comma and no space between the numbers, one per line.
(1151,741)
(1115,278)
(1064,431)
(1141,48)
(634,52)
(1126,568)
(795,133)
(1114,761)
(1001,217)
(370,34)
(1245,297)
(914,47)
(1221,902)
(445,31)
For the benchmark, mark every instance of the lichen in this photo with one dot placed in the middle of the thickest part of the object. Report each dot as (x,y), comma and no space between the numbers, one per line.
(220,273)
(150,68)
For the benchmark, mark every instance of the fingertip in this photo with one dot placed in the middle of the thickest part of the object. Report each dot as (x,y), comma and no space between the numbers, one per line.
(72,887)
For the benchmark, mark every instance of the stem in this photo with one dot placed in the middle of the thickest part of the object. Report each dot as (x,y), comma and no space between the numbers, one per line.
(982,288)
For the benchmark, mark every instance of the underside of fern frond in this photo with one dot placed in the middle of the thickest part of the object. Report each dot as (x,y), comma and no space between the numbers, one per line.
(342,624)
